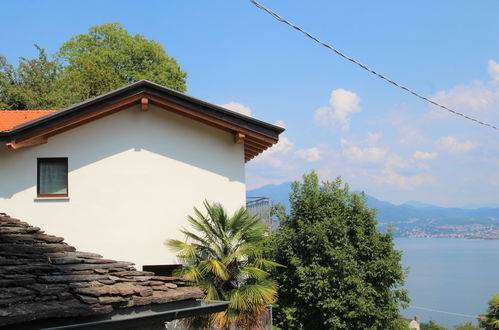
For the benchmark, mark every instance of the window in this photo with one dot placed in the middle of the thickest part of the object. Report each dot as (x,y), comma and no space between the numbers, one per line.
(52,177)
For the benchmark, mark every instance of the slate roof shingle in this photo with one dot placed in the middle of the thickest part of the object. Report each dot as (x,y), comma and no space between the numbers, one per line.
(42,277)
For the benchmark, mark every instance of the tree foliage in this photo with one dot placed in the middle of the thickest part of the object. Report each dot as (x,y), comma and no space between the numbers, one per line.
(108,57)
(490,320)
(341,273)
(87,65)
(466,326)
(225,257)
(431,325)
(32,85)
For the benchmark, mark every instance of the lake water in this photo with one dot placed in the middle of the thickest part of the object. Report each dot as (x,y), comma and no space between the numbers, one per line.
(451,275)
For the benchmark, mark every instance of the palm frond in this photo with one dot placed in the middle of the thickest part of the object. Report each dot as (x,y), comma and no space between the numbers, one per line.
(215,267)
(184,250)
(261,292)
(266,264)
(188,272)
(254,272)
(225,256)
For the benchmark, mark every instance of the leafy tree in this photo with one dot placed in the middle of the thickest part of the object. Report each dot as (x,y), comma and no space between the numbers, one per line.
(32,85)
(431,325)
(466,326)
(490,320)
(87,65)
(224,256)
(341,273)
(108,57)
(399,324)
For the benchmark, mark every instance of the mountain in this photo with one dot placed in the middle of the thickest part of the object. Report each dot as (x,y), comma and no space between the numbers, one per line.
(416,204)
(276,193)
(411,216)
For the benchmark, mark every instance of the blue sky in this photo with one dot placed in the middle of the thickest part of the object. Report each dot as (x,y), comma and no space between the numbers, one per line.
(340,120)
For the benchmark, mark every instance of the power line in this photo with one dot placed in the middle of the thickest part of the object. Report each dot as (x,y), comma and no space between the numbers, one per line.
(379,75)
(443,312)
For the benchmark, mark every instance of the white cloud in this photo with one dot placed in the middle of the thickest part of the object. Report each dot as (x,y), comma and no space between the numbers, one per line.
(390,177)
(494,70)
(280,123)
(372,138)
(309,155)
(410,135)
(477,98)
(342,104)
(275,155)
(452,145)
(237,107)
(395,161)
(423,155)
(368,155)
(282,147)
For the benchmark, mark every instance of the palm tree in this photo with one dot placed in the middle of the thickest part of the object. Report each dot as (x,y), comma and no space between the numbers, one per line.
(490,320)
(225,258)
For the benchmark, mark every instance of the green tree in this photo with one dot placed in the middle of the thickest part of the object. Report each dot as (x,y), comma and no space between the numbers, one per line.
(466,326)
(490,320)
(87,65)
(224,256)
(431,325)
(108,57)
(341,273)
(32,85)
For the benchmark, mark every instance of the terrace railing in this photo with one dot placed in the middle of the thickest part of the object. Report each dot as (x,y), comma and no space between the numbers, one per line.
(261,207)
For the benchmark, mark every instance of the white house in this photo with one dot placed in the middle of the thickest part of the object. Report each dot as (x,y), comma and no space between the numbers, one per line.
(118,174)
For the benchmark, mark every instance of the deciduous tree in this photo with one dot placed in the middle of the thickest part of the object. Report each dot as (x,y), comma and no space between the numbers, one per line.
(32,85)
(87,65)
(341,273)
(109,57)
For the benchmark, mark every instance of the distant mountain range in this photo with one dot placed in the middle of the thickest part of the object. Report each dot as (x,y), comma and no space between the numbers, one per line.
(412,218)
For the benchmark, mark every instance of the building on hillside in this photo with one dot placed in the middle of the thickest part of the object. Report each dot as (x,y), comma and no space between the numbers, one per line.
(119,174)
(46,283)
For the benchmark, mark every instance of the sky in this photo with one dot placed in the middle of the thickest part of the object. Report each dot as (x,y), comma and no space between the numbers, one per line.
(340,120)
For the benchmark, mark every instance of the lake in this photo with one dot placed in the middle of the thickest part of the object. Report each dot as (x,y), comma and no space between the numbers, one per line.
(450,275)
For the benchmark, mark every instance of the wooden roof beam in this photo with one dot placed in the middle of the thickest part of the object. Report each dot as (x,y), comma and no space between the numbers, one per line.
(239,137)
(27,143)
(144,104)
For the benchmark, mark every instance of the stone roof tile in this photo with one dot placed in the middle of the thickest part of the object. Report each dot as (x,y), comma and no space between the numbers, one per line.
(43,277)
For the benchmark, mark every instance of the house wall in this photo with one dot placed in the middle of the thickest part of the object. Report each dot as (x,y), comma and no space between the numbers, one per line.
(133,179)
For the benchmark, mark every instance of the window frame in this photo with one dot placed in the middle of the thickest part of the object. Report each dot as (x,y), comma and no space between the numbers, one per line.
(53,160)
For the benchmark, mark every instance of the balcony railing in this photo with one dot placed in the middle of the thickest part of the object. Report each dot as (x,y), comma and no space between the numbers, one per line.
(261,207)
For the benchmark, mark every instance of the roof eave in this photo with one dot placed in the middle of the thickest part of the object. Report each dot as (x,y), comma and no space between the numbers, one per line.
(127,318)
(142,86)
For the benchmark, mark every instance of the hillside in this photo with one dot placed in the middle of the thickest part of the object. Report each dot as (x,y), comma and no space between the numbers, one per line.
(413,218)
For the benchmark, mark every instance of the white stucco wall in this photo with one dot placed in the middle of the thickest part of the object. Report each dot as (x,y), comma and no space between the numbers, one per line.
(133,179)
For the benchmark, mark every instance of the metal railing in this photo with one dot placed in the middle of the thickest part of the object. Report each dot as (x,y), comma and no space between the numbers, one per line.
(261,207)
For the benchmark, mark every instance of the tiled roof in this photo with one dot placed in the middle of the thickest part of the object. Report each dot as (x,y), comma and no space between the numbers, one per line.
(12,118)
(41,277)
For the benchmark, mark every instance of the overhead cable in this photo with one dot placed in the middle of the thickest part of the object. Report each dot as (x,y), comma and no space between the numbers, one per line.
(283,20)
(443,312)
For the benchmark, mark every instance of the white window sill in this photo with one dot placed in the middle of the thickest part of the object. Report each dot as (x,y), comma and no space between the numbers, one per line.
(38,199)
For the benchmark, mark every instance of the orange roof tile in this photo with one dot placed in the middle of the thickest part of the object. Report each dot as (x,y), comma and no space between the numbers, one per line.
(12,118)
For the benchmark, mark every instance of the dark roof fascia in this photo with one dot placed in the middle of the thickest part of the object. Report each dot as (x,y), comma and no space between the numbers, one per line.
(130,318)
(143,86)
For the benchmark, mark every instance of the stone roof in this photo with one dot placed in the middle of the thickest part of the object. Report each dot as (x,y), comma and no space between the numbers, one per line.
(42,277)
